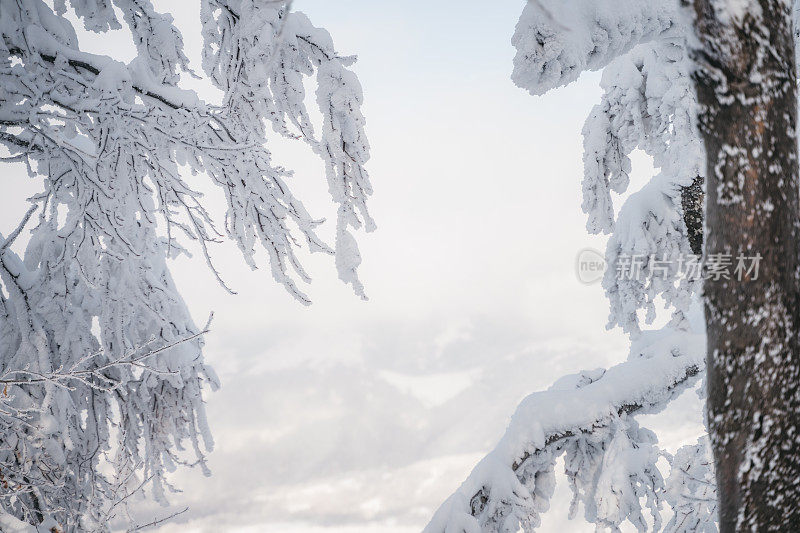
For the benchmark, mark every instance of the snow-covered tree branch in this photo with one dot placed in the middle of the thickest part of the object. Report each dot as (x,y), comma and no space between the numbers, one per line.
(557,41)
(589,419)
(118,146)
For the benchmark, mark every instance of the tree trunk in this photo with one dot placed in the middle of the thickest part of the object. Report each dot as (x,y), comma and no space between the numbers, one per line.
(746,88)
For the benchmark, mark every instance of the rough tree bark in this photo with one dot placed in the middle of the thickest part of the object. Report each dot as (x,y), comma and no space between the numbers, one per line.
(746,87)
(692,198)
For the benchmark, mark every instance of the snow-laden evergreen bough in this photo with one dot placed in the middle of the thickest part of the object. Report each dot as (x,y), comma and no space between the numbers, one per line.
(648,103)
(101,364)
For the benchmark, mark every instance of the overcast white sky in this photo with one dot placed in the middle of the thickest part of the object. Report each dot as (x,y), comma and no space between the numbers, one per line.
(354,416)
